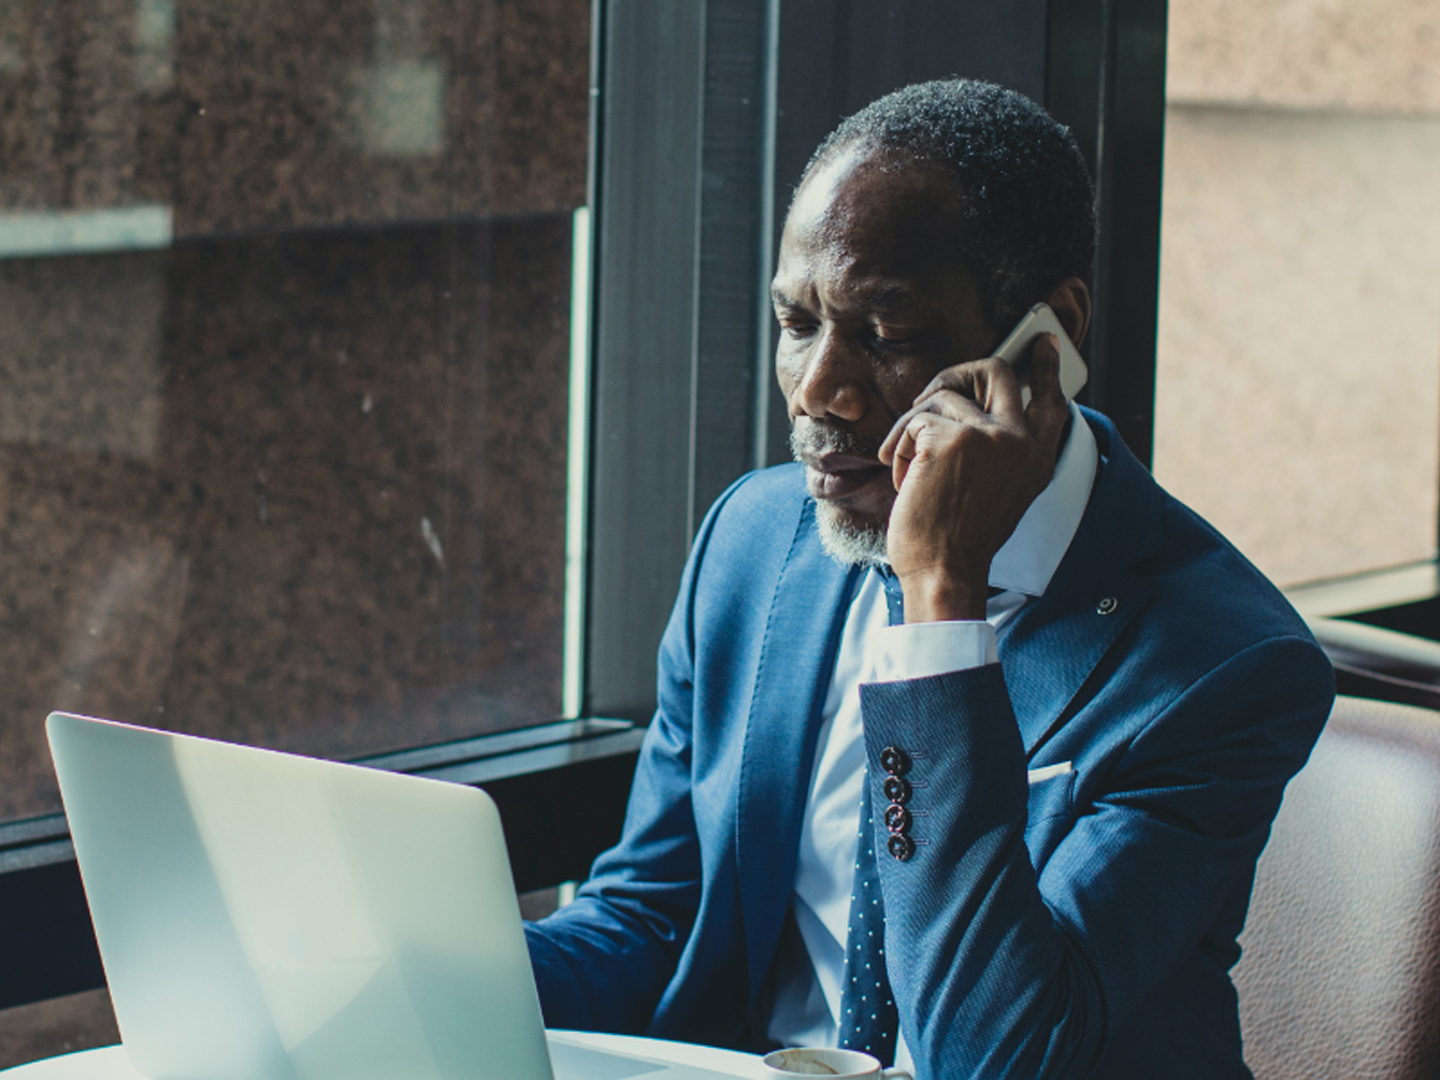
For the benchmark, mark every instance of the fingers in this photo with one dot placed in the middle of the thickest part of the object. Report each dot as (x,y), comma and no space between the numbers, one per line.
(947,403)
(990,384)
(889,447)
(951,405)
(903,443)
(1047,410)
(985,390)
(1043,371)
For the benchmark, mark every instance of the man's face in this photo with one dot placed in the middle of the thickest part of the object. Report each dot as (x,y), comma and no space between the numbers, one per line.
(873,302)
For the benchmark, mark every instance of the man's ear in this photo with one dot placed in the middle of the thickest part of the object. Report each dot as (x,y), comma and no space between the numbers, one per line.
(1070,300)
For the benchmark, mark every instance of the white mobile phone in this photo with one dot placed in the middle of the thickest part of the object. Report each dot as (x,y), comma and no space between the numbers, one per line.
(1016,347)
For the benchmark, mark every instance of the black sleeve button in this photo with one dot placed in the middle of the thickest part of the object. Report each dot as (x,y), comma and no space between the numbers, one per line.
(897,818)
(894,761)
(900,846)
(896,789)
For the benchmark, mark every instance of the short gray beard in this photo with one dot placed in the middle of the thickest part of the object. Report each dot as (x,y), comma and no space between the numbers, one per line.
(847,544)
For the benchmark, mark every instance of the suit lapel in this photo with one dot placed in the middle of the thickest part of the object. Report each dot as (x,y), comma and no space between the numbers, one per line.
(797,659)
(1054,642)
(1053,646)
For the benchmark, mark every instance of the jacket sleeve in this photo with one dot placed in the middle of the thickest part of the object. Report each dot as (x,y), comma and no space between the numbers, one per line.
(604,961)
(1000,971)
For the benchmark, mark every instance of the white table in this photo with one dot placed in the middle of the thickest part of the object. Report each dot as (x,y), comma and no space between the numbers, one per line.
(110,1062)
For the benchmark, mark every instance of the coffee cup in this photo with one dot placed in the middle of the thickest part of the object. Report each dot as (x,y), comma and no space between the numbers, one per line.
(826,1061)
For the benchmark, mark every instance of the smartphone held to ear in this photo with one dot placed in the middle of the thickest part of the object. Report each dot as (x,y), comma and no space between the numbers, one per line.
(1015,350)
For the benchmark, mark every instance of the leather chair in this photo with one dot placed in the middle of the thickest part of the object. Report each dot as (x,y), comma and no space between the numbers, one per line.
(1340,972)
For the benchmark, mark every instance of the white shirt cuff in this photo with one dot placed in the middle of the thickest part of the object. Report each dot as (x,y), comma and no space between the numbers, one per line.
(919,650)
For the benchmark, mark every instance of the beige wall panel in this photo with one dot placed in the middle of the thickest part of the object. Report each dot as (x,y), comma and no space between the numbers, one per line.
(1299,338)
(1375,56)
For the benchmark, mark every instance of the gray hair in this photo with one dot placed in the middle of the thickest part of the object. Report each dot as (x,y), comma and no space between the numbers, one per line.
(1026,201)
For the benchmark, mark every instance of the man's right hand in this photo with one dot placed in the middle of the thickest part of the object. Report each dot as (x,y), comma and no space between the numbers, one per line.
(967,461)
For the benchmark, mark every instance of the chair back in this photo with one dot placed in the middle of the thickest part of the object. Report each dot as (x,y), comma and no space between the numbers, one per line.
(1340,973)
(1372,662)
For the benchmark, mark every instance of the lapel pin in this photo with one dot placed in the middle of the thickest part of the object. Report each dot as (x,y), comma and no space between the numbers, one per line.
(1106,606)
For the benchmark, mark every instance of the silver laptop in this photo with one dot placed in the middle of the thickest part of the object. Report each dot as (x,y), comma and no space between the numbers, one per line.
(263,916)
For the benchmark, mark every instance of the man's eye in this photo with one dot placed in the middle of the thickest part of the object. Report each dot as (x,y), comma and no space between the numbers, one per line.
(895,337)
(797,331)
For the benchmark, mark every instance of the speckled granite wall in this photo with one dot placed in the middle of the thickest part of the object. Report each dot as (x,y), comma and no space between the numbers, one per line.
(297,479)
(274,114)
(349,532)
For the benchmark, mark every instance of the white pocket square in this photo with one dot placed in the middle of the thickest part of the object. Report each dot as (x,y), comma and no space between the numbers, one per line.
(1034,776)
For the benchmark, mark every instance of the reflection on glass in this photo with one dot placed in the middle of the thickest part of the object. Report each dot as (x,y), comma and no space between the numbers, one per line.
(284,364)
(154,44)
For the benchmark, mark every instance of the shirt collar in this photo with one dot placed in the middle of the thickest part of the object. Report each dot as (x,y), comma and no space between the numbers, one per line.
(1027,561)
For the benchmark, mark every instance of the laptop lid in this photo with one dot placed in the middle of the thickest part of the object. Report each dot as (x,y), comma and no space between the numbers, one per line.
(271,917)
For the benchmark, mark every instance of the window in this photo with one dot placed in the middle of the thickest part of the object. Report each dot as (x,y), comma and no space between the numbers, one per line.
(1298,370)
(284,368)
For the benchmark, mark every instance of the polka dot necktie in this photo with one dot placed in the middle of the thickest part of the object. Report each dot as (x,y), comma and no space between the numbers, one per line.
(869,1020)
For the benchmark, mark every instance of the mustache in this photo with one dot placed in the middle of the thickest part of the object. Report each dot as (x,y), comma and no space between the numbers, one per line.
(820,437)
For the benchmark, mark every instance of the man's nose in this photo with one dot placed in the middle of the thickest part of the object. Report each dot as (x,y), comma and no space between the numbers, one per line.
(831,381)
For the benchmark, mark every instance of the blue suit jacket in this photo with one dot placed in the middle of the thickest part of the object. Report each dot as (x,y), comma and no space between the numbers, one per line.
(1084,925)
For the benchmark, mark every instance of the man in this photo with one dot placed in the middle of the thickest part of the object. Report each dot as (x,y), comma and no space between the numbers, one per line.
(1070,752)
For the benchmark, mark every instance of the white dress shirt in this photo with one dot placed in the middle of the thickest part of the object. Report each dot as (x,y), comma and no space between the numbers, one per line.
(807,988)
